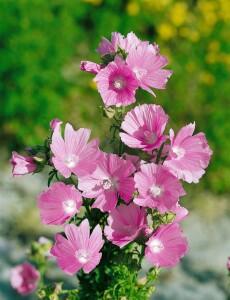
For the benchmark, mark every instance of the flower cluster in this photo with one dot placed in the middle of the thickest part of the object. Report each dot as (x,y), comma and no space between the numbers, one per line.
(135,192)
(126,64)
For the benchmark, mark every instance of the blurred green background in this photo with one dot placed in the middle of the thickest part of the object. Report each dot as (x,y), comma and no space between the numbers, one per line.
(43,42)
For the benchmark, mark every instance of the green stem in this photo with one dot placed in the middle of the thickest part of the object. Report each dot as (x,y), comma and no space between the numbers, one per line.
(159,154)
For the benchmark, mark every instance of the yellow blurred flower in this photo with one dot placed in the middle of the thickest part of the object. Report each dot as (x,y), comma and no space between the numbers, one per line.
(184,32)
(94,2)
(166,31)
(93,85)
(224,11)
(189,34)
(210,18)
(156,5)
(224,58)
(133,8)
(214,46)
(178,13)
(211,58)
(207,5)
(207,78)
(194,36)
(190,67)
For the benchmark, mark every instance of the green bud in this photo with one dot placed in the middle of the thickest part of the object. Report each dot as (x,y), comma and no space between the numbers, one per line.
(40,157)
(108,112)
(107,58)
(41,294)
(151,290)
(53,297)
(121,52)
(168,217)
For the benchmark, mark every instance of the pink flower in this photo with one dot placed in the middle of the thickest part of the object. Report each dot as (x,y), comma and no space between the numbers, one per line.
(228,264)
(73,154)
(135,160)
(117,84)
(180,212)
(166,246)
(189,155)
(59,203)
(144,126)
(80,249)
(125,223)
(157,187)
(147,66)
(91,67)
(112,176)
(22,164)
(24,278)
(118,40)
(55,124)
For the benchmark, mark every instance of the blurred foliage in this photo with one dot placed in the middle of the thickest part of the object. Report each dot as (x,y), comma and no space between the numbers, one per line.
(43,42)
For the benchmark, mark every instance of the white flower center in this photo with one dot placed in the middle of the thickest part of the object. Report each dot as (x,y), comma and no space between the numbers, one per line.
(139,73)
(107,184)
(82,256)
(178,152)
(155,191)
(119,82)
(71,160)
(156,246)
(150,137)
(69,206)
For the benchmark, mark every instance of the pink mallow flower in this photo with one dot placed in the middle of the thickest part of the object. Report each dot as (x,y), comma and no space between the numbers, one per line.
(189,155)
(147,66)
(73,154)
(157,187)
(89,66)
(228,264)
(180,212)
(55,124)
(166,246)
(80,249)
(118,40)
(117,84)
(112,176)
(135,160)
(125,223)
(22,165)
(59,203)
(24,278)
(144,126)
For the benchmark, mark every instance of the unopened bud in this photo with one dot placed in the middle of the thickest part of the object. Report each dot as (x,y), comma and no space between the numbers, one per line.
(168,217)
(108,112)
(40,157)
(228,264)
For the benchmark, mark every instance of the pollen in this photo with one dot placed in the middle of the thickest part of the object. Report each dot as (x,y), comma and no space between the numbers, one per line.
(119,83)
(156,246)
(69,206)
(71,160)
(82,256)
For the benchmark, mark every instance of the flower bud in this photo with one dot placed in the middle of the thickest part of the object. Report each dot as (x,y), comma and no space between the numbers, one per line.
(24,278)
(108,112)
(22,164)
(228,264)
(40,157)
(55,124)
